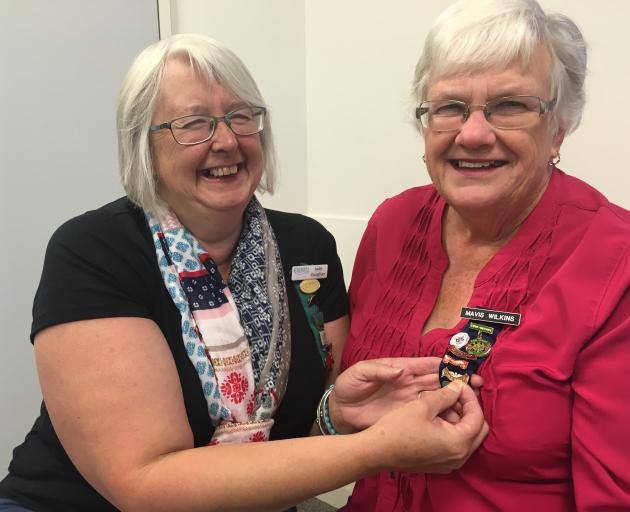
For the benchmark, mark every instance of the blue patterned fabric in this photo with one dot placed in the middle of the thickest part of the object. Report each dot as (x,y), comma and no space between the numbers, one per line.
(257,285)
(247,283)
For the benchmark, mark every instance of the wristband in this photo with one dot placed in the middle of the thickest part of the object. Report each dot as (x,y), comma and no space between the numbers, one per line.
(323,416)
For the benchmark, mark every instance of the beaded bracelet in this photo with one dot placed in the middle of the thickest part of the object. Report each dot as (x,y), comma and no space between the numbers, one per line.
(323,416)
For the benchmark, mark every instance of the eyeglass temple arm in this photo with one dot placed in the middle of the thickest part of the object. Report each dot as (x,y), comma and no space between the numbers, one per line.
(157,127)
(547,106)
(420,111)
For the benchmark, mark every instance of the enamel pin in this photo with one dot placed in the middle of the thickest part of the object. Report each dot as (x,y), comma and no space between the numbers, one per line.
(468,349)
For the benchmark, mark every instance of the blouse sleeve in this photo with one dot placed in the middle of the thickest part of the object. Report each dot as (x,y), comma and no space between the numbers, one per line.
(92,269)
(601,415)
(364,261)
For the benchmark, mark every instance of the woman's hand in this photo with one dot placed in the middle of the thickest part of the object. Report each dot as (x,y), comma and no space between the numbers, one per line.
(416,438)
(368,390)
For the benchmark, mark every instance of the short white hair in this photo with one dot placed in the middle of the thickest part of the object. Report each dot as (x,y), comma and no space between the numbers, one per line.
(137,103)
(479,35)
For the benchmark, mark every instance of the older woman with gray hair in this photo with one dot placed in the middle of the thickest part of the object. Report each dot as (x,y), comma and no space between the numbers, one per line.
(505,267)
(178,327)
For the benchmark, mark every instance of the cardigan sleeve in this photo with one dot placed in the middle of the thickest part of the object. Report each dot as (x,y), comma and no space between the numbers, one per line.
(601,414)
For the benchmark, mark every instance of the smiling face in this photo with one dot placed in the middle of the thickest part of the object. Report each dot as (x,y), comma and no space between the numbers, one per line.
(485,169)
(219,175)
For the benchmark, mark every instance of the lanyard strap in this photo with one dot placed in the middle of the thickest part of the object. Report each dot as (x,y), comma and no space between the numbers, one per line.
(467,350)
(307,292)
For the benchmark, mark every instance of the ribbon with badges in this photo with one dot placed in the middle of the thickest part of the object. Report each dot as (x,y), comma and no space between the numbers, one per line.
(468,349)
(306,282)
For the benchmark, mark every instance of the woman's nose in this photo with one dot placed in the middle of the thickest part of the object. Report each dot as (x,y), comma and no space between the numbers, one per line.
(223,138)
(476,131)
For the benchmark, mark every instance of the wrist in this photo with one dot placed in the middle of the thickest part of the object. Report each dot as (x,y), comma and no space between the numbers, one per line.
(335,411)
(322,415)
(374,452)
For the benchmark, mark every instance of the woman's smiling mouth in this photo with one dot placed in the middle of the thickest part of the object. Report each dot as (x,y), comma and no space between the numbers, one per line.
(219,172)
(477,165)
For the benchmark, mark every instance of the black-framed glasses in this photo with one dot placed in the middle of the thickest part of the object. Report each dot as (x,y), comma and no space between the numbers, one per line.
(506,113)
(195,129)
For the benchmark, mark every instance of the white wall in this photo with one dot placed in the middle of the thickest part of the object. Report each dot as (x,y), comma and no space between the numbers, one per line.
(62,65)
(357,57)
(360,56)
(269,38)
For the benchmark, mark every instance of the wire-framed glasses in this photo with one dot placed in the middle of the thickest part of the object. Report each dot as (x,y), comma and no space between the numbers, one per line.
(506,113)
(195,129)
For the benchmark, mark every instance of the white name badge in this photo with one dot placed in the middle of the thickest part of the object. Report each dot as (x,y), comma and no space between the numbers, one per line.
(301,272)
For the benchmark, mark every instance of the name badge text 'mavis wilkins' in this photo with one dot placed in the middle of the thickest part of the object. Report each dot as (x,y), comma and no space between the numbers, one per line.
(490,315)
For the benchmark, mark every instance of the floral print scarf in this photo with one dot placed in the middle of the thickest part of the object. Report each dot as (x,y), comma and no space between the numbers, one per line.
(237,336)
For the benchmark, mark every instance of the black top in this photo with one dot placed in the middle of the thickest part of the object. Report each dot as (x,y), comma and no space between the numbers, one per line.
(102,264)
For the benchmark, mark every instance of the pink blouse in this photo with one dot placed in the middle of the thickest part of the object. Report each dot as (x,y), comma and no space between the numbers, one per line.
(555,392)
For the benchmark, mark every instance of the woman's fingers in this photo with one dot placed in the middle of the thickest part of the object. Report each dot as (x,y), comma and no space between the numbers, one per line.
(442,399)
(376,370)
(476,381)
(451,416)
(427,434)
(413,365)
(472,420)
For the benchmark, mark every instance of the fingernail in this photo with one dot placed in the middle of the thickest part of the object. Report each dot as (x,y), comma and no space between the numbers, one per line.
(456,386)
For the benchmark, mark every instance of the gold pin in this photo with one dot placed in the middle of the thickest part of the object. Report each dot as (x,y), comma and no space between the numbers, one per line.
(455,362)
(310,286)
(479,347)
(452,376)
(460,353)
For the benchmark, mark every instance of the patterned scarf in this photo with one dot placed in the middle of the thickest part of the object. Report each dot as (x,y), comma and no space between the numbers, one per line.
(237,337)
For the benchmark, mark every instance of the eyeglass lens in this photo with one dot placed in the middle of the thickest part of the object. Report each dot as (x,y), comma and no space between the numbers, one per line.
(510,112)
(195,129)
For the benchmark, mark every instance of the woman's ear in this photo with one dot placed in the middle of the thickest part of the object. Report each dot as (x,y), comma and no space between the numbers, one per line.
(556,142)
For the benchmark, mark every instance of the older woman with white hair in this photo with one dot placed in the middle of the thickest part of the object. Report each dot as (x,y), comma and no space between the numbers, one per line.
(505,267)
(178,326)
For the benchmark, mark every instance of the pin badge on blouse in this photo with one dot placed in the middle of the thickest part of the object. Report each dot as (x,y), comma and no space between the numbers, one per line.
(448,359)
(479,347)
(310,286)
(481,328)
(459,353)
(460,339)
(452,376)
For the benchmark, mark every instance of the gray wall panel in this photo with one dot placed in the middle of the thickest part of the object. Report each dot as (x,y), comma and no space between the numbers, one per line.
(62,63)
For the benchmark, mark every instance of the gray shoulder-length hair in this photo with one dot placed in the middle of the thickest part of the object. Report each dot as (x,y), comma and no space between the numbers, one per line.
(137,103)
(478,35)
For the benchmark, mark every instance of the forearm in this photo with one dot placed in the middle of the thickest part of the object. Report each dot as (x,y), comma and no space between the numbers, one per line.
(254,476)
(276,475)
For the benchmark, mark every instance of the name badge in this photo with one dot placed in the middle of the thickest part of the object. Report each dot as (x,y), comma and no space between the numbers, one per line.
(492,316)
(298,273)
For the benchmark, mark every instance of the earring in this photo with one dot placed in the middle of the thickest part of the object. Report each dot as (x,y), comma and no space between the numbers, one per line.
(424,159)
(554,161)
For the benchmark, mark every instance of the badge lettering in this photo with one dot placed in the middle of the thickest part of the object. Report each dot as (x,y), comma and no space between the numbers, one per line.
(490,315)
(300,272)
